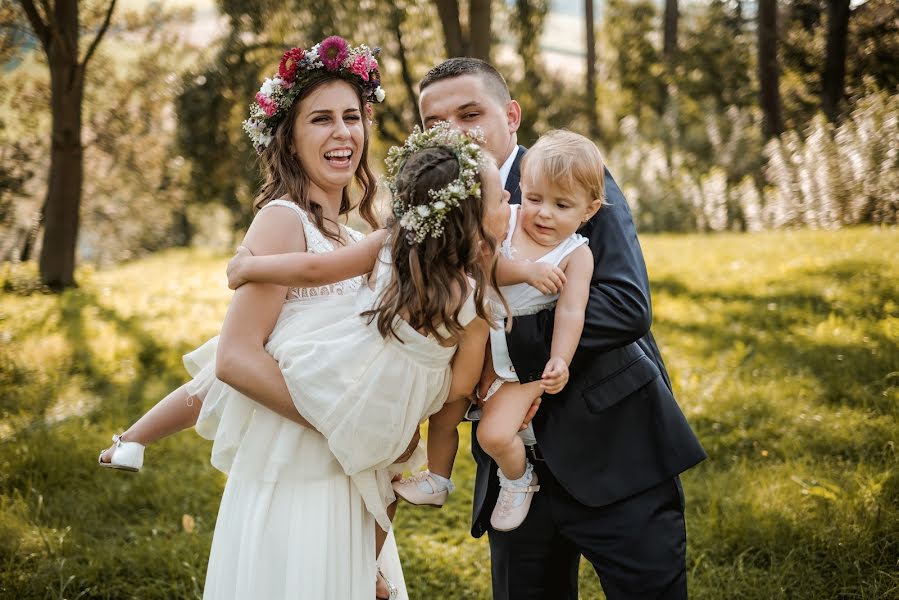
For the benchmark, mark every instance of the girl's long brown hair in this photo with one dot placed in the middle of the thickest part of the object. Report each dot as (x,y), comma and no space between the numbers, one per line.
(286,178)
(428,285)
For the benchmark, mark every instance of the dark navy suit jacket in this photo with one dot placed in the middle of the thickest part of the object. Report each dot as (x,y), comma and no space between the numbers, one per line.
(616,429)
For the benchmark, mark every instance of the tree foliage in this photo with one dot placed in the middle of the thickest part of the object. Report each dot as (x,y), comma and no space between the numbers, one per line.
(680,123)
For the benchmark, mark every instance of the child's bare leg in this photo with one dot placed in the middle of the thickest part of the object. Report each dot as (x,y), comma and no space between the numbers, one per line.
(501,417)
(177,411)
(432,487)
(443,437)
(381,588)
(380,534)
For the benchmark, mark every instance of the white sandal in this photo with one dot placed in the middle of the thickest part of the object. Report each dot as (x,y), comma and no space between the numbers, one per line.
(392,591)
(126,456)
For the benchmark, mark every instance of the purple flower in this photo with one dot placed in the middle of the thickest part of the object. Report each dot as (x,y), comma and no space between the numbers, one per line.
(332,52)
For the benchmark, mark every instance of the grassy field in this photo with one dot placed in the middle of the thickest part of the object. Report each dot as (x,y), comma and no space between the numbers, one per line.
(782,348)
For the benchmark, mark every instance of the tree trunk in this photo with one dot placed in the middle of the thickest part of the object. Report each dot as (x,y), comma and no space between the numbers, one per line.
(769,72)
(396,23)
(479,27)
(57,262)
(58,30)
(448,10)
(590,26)
(835,61)
(669,45)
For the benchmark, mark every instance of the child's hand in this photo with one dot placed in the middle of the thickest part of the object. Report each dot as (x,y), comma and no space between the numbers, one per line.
(532,411)
(235,267)
(555,375)
(547,278)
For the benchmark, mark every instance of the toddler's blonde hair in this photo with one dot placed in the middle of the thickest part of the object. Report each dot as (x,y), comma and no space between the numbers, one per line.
(568,160)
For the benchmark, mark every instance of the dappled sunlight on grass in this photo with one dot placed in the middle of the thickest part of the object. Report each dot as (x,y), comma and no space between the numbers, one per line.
(781,348)
(783,353)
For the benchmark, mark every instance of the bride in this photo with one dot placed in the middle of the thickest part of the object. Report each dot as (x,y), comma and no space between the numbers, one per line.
(291,523)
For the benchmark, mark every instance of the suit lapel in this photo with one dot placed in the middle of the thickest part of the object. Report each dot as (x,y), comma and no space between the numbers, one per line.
(514,178)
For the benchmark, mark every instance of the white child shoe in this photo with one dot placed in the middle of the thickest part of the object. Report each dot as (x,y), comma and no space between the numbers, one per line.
(514,500)
(127,456)
(424,489)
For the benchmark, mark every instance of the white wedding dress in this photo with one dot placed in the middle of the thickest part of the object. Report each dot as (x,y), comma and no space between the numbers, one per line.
(292,523)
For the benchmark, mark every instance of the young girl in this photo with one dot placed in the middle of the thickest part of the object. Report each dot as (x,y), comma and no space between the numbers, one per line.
(561,189)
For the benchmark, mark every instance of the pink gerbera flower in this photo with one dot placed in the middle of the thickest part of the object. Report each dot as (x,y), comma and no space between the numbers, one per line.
(332,52)
(266,104)
(360,67)
(289,63)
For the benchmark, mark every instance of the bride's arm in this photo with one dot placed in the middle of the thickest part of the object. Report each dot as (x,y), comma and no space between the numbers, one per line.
(241,360)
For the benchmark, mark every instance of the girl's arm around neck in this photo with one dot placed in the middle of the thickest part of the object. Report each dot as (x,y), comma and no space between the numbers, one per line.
(569,319)
(547,278)
(304,269)
(510,271)
(469,359)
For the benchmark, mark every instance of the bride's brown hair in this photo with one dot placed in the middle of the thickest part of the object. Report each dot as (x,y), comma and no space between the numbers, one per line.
(286,178)
(429,279)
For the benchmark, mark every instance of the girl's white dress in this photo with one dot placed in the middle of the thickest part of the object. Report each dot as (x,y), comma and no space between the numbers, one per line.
(299,509)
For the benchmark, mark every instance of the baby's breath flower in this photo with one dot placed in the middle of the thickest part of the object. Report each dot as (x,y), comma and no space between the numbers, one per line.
(423,221)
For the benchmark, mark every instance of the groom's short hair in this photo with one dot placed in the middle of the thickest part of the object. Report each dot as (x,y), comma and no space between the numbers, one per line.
(463,65)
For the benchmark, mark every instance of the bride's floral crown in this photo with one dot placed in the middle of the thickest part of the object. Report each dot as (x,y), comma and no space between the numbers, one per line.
(298,67)
(423,220)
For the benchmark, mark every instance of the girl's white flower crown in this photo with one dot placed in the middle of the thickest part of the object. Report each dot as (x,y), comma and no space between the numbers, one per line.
(423,220)
(358,65)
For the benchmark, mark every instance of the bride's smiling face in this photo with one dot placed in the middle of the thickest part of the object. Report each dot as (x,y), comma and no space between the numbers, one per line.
(329,135)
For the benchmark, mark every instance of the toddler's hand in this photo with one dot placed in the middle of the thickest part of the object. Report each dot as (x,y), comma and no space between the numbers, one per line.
(555,375)
(235,267)
(547,278)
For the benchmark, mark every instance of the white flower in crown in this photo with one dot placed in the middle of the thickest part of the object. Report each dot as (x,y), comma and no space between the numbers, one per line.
(422,221)
(268,86)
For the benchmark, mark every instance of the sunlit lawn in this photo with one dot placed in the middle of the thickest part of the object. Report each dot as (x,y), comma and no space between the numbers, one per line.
(782,348)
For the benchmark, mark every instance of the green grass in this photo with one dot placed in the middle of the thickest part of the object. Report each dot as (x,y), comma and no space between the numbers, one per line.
(782,348)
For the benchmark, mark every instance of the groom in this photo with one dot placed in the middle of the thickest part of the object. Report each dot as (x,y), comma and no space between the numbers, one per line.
(610,446)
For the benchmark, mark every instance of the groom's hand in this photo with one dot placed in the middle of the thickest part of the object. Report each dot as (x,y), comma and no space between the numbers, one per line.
(410,448)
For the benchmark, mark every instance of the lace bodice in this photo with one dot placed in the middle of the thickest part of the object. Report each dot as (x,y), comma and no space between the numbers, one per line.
(317,243)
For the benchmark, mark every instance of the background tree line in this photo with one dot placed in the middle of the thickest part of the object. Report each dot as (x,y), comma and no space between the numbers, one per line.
(713,115)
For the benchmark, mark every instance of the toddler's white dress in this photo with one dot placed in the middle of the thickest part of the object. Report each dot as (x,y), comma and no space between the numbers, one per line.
(299,508)
(523,298)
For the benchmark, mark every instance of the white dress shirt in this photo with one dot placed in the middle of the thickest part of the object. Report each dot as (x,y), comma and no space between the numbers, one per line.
(507,166)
